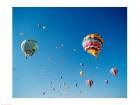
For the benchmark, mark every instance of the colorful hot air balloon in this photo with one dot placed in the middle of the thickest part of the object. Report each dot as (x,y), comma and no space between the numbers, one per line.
(29,47)
(114,71)
(89,83)
(93,44)
(81,73)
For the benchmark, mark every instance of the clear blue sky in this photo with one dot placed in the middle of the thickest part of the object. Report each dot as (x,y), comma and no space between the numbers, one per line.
(68,26)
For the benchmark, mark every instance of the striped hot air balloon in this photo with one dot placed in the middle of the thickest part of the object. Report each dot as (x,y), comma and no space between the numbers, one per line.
(93,44)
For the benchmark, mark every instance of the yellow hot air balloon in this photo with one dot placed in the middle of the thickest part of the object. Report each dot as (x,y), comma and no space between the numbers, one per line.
(93,43)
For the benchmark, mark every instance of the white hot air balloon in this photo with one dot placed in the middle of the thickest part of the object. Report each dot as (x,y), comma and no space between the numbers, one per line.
(81,73)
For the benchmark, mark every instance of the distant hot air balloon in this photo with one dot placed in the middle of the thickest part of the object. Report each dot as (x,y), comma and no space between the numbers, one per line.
(89,83)
(62,45)
(21,33)
(38,25)
(59,85)
(106,81)
(81,64)
(93,44)
(44,93)
(74,50)
(13,69)
(76,84)
(51,82)
(81,73)
(66,86)
(97,67)
(43,27)
(29,47)
(53,89)
(114,71)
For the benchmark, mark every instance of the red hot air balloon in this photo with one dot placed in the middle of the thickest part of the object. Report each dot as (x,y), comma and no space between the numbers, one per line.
(114,71)
(89,83)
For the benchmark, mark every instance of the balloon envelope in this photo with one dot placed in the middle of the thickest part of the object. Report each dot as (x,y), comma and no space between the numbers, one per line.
(76,84)
(114,71)
(81,64)
(43,27)
(81,73)
(106,81)
(93,44)
(29,47)
(89,83)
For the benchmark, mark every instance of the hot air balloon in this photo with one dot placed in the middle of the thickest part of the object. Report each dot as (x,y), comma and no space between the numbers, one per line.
(62,45)
(106,81)
(76,84)
(38,25)
(81,64)
(44,93)
(59,85)
(114,71)
(29,47)
(74,50)
(93,44)
(51,82)
(53,89)
(64,84)
(81,73)
(89,83)
(13,69)
(21,33)
(44,27)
